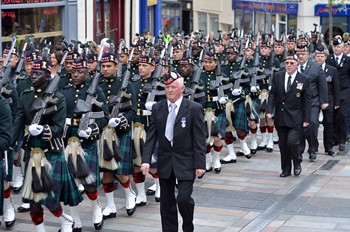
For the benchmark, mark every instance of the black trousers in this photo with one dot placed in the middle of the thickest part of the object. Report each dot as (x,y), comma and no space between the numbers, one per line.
(310,133)
(328,126)
(169,204)
(289,141)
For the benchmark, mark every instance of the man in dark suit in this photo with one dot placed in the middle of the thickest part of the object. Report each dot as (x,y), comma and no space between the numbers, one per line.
(321,54)
(342,64)
(181,155)
(291,99)
(319,98)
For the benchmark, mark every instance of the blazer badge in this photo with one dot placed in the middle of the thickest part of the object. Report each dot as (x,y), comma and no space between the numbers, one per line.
(300,85)
(298,94)
(183,122)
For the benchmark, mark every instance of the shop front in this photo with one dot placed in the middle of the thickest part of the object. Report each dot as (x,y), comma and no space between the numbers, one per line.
(44,19)
(259,17)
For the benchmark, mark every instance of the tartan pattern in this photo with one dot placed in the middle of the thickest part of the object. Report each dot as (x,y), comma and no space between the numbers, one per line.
(2,173)
(126,165)
(91,158)
(239,116)
(64,187)
(255,109)
(221,123)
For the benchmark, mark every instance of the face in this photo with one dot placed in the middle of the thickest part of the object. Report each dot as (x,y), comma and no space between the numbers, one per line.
(68,64)
(291,66)
(210,64)
(92,65)
(291,45)
(79,76)
(303,57)
(338,49)
(109,69)
(28,67)
(136,57)
(248,53)
(320,58)
(265,51)
(186,70)
(123,58)
(145,70)
(177,54)
(39,78)
(219,48)
(196,51)
(53,59)
(13,61)
(174,91)
(346,49)
(231,56)
(279,49)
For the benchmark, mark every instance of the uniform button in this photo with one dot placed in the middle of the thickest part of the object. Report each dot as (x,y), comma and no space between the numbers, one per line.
(76,95)
(77,90)
(108,91)
(35,96)
(138,105)
(75,101)
(109,86)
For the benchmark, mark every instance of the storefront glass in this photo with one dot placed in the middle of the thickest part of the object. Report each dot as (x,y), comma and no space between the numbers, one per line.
(103,28)
(171,13)
(202,22)
(214,22)
(41,22)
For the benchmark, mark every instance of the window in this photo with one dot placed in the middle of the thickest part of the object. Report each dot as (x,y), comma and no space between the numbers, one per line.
(214,22)
(202,21)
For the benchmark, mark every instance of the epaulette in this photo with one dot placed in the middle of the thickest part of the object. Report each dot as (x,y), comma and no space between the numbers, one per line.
(22,77)
(28,90)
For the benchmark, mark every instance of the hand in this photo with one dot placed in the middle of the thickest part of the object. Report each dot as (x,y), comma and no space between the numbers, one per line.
(306,124)
(35,129)
(200,172)
(223,100)
(85,133)
(113,122)
(336,107)
(144,168)
(269,88)
(149,105)
(324,106)
(268,115)
(254,89)
(236,92)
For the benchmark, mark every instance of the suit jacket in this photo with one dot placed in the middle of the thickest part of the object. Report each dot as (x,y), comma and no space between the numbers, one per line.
(317,83)
(343,70)
(333,84)
(291,108)
(189,142)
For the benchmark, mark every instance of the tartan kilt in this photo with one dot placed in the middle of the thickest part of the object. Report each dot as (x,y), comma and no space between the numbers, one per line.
(255,109)
(239,116)
(91,158)
(2,173)
(126,165)
(10,160)
(64,187)
(221,123)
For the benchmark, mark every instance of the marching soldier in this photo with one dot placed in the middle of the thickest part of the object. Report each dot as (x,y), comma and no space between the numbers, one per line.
(291,42)
(178,53)
(48,180)
(120,99)
(68,63)
(84,99)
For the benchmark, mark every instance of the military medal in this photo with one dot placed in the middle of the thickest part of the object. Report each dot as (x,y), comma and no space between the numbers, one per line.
(298,94)
(183,122)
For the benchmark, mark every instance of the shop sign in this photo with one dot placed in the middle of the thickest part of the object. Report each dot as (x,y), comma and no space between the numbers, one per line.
(283,8)
(337,10)
(8,2)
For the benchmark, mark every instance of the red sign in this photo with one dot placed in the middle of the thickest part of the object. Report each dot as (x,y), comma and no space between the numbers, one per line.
(11,14)
(7,2)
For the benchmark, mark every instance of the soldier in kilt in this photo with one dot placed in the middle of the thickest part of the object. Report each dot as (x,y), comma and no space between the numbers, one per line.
(68,64)
(142,84)
(82,145)
(267,66)
(48,180)
(178,53)
(117,160)
(214,112)
(5,140)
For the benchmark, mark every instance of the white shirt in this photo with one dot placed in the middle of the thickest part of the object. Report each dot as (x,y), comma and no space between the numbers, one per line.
(339,58)
(177,103)
(286,79)
(302,65)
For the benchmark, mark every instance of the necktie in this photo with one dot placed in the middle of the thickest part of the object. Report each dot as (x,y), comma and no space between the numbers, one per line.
(337,60)
(302,68)
(289,83)
(169,129)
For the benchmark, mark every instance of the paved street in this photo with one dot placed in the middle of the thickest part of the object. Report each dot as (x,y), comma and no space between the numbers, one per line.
(246,196)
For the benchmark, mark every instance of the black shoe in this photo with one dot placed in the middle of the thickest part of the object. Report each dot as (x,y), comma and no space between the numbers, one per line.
(275,142)
(131,212)
(17,190)
(77,229)
(158,198)
(284,174)
(248,156)
(228,162)
(312,156)
(297,169)
(10,224)
(261,147)
(341,147)
(98,226)
(111,215)
(253,151)
(330,153)
(209,170)
(23,210)
(150,192)
(269,149)
(239,153)
(141,204)
(217,170)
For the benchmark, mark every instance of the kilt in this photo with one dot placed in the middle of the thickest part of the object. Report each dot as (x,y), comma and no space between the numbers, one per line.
(65,189)
(221,123)
(126,165)
(91,158)
(2,173)
(239,116)
(254,109)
